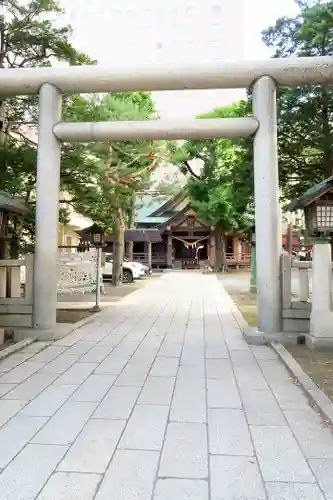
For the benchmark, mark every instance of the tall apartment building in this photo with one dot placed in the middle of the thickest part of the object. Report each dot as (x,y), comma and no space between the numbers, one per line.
(171,32)
(178,31)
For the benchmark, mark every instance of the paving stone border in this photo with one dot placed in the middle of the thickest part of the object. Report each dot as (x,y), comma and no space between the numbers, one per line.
(16,347)
(160,397)
(316,395)
(71,327)
(64,333)
(62,329)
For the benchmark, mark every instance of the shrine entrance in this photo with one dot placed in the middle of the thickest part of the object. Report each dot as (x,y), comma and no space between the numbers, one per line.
(186,248)
(262,76)
(189,250)
(189,240)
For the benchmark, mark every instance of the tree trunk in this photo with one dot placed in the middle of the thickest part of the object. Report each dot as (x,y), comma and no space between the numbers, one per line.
(131,225)
(327,150)
(15,241)
(220,261)
(4,254)
(131,213)
(4,246)
(118,249)
(2,105)
(4,250)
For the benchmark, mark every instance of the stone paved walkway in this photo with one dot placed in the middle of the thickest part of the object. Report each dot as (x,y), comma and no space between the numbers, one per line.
(159,398)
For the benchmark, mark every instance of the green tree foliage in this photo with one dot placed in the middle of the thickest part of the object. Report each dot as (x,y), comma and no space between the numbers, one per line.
(222,193)
(90,173)
(29,37)
(305,113)
(109,174)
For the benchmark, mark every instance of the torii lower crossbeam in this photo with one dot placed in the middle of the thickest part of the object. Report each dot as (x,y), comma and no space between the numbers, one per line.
(263,76)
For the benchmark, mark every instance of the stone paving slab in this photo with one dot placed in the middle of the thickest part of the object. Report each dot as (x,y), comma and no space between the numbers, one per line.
(159,398)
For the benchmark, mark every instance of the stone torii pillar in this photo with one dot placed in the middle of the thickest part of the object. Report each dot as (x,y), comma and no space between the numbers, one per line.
(47,212)
(267,207)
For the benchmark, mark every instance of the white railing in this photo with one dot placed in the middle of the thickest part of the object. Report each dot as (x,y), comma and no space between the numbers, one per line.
(240,259)
(303,278)
(143,257)
(76,272)
(295,280)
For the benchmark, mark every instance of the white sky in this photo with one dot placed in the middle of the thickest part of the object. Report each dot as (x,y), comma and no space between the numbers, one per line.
(110,32)
(134,32)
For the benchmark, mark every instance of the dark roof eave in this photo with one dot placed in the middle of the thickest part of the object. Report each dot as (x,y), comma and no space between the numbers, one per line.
(12,204)
(310,195)
(170,202)
(163,225)
(135,235)
(295,205)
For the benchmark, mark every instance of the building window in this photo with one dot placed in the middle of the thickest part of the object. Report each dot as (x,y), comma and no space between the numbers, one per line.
(216,9)
(324,216)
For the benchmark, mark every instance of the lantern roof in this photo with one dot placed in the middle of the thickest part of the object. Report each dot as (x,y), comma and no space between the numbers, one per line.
(311,195)
(12,204)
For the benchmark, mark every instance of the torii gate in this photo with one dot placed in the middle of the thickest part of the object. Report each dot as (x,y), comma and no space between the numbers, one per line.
(264,76)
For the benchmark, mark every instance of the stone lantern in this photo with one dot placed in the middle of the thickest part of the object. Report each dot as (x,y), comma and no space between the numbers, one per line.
(319,216)
(9,206)
(96,236)
(317,204)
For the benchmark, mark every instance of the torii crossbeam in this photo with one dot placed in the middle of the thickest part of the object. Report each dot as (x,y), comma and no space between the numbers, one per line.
(262,76)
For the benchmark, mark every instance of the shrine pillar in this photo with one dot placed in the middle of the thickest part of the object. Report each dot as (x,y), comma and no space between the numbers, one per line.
(236,250)
(150,254)
(236,247)
(212,248)
(47,214)
(169,249)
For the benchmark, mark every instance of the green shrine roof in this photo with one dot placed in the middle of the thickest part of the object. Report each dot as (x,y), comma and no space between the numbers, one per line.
(310,195)
(153,220)
(155,209)
(147,204)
